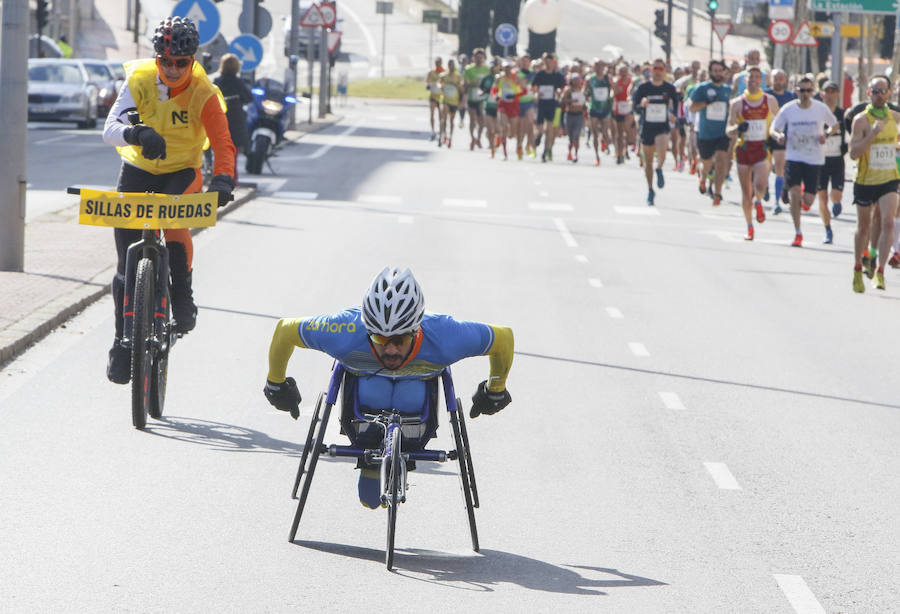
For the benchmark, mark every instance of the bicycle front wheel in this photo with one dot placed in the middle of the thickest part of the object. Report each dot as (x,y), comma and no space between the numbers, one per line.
(160,369)
(141,354)
(393,497)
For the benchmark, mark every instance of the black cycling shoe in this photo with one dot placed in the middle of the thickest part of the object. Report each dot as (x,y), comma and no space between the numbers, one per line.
(185,315)
(118,369)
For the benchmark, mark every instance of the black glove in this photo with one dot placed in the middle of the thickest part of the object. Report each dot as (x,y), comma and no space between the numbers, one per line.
(486,402)
(153,145)
(224,185)
(284,396)
(743,127)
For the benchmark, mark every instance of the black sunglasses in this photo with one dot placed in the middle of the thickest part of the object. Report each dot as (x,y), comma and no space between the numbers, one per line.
(879,91)
(169,63)
(805,90)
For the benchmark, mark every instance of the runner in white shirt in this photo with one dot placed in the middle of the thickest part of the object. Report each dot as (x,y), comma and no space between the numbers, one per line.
(808,123)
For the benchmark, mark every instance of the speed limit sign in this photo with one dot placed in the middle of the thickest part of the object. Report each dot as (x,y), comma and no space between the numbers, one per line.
(780,31)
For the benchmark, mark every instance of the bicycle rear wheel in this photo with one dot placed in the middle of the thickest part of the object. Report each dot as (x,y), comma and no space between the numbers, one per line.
(308,444)
(313,461)
(141,354)
(160,368)
(394,498)
(462,454)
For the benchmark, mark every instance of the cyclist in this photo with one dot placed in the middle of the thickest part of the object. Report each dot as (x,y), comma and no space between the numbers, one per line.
(180,108)
(475,95)
(392,346)
(709,100)
(451,88)
(655,99)
(433,85)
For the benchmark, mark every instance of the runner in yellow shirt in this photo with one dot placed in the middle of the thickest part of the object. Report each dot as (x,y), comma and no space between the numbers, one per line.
(433,85)
(451,88)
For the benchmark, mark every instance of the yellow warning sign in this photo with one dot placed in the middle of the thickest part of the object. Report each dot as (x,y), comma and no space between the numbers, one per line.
(141,210)
(850,30)
(821,29)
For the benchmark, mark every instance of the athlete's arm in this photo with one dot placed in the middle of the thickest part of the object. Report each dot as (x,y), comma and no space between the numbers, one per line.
(697,104)
(285,338)
(117,120)
(863,135)
(501,356)
(777,124)
(216,125)
(733,113)
(773,105)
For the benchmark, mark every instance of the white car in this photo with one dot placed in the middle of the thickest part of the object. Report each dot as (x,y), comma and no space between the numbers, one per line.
(61,91)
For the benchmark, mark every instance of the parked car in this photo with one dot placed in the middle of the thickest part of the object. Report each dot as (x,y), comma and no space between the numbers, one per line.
(61,90)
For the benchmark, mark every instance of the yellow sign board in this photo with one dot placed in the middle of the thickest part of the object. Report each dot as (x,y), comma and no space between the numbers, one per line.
(142,210)
(821,29)
(850,30)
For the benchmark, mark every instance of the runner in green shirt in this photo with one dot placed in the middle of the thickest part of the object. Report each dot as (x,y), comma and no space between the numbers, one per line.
(599,95)
(476,95)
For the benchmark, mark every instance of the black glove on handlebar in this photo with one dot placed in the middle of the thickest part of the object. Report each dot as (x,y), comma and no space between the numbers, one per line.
(224,185)
(153,145)
(486,402)
(284,396)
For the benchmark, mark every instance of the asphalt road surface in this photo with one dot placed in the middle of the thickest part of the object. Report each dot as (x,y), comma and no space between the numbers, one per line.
(699,424)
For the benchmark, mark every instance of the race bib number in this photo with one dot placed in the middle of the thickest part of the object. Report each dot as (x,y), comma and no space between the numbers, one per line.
(138,210)
(601,94)
(545,92)
(507,94)
(577,98)
(451,91)
(716,111)
(623,107)
(477,93)
(833,146)
(655,113)
(756,130)
(435,88)
(881,157)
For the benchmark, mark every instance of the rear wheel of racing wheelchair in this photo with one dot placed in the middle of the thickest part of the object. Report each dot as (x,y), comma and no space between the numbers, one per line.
(313,455)
(308,445)
(141,350)
(463,456)
(393,499)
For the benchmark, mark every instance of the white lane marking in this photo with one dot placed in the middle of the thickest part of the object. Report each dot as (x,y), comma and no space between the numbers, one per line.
(536,182)
(465,202)
(638,349)
(370,40)
(550,206)
(405,219)
(564,231)
(61,137)
(671,400)
(595,283)
(544,194)
(636,210)
(614,312)
(581,258)
(722,476)
(798,593)
(268,186)
(296,195)
(379,199)
(324,149)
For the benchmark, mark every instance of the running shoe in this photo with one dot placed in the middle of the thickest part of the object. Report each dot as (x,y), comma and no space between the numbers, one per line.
(620,160)
(829,237)
(694,166)
(868,266)
(836,209)
(569,157)
(575,160)
(472,145)
(766,195)
(749,235)
(597,162)
(776,209)
(894,261)
(785,197)
(650,196)
(604,146)
(717,200)
(449,143)
(858,285)
(804,206)
(703,185)
(879,280)
(660,180)
(798,240)
(760,214)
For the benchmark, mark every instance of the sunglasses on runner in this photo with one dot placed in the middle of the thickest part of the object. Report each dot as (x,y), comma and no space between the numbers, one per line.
(169,63)
(879,91)
(805,90)
(393,339)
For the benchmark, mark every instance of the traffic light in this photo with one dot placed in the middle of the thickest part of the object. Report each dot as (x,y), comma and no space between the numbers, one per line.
(42,13)
(661,30)
(711,6)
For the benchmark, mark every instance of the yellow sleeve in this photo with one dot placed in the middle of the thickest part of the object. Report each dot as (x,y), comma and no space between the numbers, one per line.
(286,336)
(501,357)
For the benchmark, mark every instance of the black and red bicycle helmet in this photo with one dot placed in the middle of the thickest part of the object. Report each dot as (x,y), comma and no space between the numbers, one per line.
(176,36)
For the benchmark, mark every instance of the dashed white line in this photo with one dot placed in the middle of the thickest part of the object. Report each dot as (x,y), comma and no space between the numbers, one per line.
(722,476)
(53,139)
(564,231)
(296,195)
(798,593)
(614,312)
(671,400)
(550,206)
(405,219)
(465,202)
(379,199)
(595,283)
(581,258)
(636,210)
(638,349)
(544,194)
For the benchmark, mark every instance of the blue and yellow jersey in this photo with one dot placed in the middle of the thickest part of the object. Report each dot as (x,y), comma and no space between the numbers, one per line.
(441,342)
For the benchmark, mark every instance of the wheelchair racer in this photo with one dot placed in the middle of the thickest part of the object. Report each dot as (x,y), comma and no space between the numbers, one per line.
(179,109)
(393,347)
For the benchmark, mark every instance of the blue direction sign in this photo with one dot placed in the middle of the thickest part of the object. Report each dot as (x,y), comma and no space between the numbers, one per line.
(249,49)
(506,34)
(203,13)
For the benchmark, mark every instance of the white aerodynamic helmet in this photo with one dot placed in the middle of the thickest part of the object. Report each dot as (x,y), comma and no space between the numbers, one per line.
(393,304)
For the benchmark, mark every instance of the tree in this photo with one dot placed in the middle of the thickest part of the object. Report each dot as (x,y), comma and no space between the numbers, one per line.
(474,24)
(505,11)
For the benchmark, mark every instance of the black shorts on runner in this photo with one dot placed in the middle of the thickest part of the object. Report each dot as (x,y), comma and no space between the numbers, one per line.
(774,146)
(796,173)
(546,111)
(709,147)
(599,114)
(490,111)
(649,132)
(452,109)
(833,171)
(475,108)
(865,195)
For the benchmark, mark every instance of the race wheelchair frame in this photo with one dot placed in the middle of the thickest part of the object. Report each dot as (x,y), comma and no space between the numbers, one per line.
(388,439)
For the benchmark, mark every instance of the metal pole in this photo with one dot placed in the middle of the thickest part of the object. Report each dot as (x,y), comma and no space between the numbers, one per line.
(430,44)
(710,38)
(669,35)
(294,48)
(779,56)
(690,23)
(837,62)
(249,9)
(383,40)
(14,102)
(323,74)
(137,28)
(309,59)
(72,25)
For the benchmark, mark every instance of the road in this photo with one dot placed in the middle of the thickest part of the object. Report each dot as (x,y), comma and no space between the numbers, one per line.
(698,423)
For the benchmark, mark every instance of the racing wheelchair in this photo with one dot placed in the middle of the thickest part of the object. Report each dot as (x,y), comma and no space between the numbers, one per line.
(390,440)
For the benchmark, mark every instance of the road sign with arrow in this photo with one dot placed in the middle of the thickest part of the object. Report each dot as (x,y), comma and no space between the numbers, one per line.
(249,50)
(203,13)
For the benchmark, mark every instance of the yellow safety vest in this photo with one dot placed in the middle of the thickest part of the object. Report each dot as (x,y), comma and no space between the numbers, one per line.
(178,119)
(878,165)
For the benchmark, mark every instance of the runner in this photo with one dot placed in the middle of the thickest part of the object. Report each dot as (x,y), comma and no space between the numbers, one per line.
(873,143)
(598,94)
(751,61)
(475,95)
(527,106)
(574,104)
(835,148)
(548,82)
(451,88)
(655,99)
(622,113)
(509,88)
(709,101)
(433,85)
(749,119)
(802,121)
(783,95)
(463,64)
(490,105)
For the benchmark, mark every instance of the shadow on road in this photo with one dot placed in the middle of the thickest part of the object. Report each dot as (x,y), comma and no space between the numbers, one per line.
(482,571)
(220,436)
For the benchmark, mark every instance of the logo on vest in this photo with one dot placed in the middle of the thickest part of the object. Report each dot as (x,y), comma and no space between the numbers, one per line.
(179,116)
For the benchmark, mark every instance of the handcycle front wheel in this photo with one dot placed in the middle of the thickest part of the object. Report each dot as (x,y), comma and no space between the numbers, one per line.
(394,478)
(462,456)
(315,451)
(141,351)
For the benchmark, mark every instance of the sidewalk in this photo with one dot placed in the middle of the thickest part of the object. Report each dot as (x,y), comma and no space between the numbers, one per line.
(68,267)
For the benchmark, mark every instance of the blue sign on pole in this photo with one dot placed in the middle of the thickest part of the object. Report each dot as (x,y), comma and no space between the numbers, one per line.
(249,50)
(506,34)
(203,13)
(781,2)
